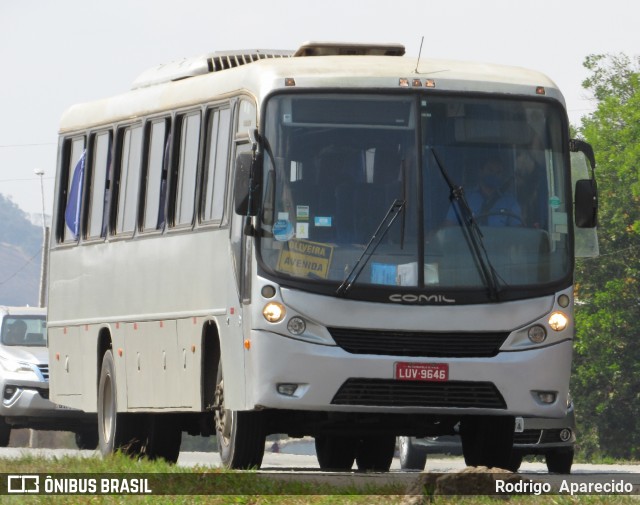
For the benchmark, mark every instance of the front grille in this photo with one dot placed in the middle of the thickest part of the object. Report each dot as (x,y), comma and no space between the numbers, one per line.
(527,437)
(393,393)
(44,370)
(418,343)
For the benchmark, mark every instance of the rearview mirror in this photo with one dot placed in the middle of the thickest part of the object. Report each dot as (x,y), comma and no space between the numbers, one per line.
(586,203)
(247,186)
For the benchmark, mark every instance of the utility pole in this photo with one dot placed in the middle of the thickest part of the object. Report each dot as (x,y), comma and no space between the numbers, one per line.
(45,241)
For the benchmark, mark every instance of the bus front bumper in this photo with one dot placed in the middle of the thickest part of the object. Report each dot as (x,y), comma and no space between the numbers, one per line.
(285,373)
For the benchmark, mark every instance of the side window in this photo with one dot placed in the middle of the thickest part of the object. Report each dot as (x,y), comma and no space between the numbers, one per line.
(156,175)
(185,176)
(215,173)
(101,159)
(128,179)
(70,190)
(246,117)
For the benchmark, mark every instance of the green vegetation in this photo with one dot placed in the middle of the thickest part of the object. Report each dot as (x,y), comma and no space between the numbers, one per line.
(606,377)
(243,487)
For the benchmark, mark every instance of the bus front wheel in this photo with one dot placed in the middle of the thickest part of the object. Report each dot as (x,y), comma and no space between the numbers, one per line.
(335,452)
(240,435)
(376,453)
(116,431)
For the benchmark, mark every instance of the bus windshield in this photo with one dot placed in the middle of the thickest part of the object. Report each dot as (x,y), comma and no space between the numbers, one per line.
(455,165)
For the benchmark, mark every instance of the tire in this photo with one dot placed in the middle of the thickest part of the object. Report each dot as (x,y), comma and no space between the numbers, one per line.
(515,462)
(559,461)
(116,431)
(240,435)
(411,456)
(5,433)
(336,452)
(87,439)
(487,441)
(376,453)
(163,438)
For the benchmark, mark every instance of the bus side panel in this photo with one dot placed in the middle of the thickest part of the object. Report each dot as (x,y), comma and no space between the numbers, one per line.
(66,364)
(232,345)
(147,282)
(152,365)
(189,354)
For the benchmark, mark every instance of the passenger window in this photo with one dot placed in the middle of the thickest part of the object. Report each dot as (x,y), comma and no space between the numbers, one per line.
(68,227)
(187,169)
(129,179)
(99,185)
(156,175)
(215,173)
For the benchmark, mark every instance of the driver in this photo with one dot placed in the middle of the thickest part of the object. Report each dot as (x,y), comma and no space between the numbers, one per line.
(490,205)
(15,332)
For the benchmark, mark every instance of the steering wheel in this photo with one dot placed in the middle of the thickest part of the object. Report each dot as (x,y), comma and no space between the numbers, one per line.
(502,213)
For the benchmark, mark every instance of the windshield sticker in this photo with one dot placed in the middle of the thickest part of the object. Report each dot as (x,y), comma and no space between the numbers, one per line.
(302,230)
(282,230)
(555,202)
(560,222)
(403,275)
(322,221)
(302,212)
(382,273)
(305,259)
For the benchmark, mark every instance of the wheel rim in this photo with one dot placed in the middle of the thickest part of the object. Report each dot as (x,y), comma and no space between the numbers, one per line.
(107,409)
(403,447)
(222,415)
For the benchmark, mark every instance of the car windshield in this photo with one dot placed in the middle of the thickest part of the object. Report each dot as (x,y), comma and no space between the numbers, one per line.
(336,164)
(24,331)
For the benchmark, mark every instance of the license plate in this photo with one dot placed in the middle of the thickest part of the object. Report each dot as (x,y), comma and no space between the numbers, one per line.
(432,372)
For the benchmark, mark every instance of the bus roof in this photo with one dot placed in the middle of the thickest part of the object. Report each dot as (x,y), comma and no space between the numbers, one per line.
(314,65)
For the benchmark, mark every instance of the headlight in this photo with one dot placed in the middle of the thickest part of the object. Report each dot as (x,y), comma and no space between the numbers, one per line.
(274,312)
(558,321)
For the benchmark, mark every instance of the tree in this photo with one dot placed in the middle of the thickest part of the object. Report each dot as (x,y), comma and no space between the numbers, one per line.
(606,379)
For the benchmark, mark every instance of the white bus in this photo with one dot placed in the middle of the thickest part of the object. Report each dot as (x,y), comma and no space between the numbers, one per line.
(269,242)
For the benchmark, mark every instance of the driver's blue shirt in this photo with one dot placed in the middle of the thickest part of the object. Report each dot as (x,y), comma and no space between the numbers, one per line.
(503,211)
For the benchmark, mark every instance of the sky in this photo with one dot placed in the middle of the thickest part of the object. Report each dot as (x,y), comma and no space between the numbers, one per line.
(57,53)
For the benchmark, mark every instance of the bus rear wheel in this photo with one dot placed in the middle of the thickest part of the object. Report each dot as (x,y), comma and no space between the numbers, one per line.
(163,438)
(240,435)
(87,439)
(116,431)
(487,441)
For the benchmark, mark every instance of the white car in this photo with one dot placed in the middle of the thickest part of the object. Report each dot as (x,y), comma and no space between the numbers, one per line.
(24,381)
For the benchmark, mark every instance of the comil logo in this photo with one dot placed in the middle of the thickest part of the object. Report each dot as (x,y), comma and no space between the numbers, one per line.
(423,299)
(23,484)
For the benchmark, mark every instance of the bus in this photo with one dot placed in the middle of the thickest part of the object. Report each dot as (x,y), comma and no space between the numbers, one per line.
(293,242)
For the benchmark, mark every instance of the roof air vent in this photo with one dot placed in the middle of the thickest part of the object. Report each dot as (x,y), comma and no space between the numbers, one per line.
(349,49)
(199,65)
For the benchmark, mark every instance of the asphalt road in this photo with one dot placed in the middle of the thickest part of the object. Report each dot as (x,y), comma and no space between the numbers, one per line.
(300,457)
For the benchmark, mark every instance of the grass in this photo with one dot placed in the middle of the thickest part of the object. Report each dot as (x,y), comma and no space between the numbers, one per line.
(230,487)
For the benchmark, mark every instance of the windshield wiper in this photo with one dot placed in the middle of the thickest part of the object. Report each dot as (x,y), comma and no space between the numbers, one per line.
(396,207)
(474,236)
